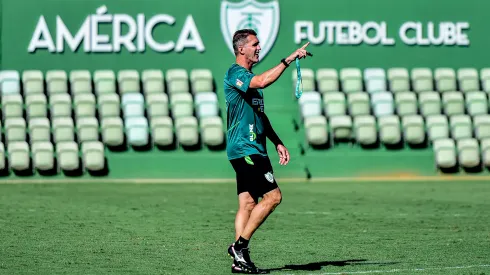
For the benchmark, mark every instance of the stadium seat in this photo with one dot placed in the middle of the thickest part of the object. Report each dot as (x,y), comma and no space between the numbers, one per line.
(310,104)
(453,103)
(181,105)
(413,129)
(375,79)
(327,80)
(365,130)
(445,79)
(437,127)
(33,82)
(430,103)
(468,79)
(406,103)
(316,130)
(382,103)
(461,127)
(104,82)
(12,106)
(201,80)
(9,82)
(63,129)
(162,130)
(186,131)
(109,105)
(136,130)
(39,130)
(56,82)
(133,105)
(399,80)
(481,126)
(153,81)
(206,104)
(476,103)
(36,106)
(468,152)
(307,79)
(87,129)
(334,104)
(84,105)
(177,81)
(485,152)
(128,81)
(19,157)
(341,127)
(43,155)
(112,131)
(212,131)
(67,156)
(2,157)
(15,129)
(157,105)
(389,130)
(93,155)
(485,79)
(60,105)
(422,80)
(351,79)
(358,103)
(445,153)
(80,82)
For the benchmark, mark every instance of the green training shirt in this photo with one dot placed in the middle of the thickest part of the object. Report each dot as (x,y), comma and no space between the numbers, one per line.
(244,106)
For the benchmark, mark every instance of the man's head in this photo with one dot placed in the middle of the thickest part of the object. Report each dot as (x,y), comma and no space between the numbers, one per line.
(246,44)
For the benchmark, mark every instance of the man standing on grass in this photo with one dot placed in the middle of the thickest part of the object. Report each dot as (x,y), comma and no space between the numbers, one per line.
(248,128)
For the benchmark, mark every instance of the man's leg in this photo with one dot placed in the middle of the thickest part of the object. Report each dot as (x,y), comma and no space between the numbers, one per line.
(246,204)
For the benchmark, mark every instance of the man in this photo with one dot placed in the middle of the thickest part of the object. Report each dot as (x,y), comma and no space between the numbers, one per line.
(248,128)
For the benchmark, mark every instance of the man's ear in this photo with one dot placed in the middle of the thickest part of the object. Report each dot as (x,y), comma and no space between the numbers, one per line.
(240,50)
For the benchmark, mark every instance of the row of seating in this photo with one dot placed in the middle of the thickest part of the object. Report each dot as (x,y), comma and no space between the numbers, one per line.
(385,103)
(467,153)
(105,81)
(391,130)
(394,79)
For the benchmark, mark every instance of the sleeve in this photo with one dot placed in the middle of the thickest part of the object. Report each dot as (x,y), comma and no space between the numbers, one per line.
(241,79)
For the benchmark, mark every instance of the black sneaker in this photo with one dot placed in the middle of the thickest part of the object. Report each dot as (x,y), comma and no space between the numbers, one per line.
(235,268)
(242,262)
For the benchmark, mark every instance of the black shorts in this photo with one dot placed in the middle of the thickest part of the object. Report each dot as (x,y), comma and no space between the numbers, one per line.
(254,174)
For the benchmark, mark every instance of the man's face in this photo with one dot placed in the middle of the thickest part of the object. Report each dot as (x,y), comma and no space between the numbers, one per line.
(252,48)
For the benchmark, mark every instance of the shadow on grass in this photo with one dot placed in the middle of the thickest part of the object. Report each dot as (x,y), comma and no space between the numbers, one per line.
(319,265)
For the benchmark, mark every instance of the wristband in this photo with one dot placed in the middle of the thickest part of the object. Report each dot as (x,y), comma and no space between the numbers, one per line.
(284,62)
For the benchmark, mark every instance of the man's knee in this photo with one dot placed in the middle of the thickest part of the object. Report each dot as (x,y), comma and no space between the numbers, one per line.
(274,197)
(247,203)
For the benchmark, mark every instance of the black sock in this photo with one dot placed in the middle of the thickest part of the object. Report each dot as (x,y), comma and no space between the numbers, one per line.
(241,243)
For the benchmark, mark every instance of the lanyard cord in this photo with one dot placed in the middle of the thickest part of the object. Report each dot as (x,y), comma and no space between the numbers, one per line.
(299,81)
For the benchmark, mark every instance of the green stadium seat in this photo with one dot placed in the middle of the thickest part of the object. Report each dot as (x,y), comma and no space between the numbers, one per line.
(87,129)
(437,127)
(19,157)
(445,79)
(365,130)
(153,81)
(201,80)
(12,106)
(33,82)
(413,129)
(485,79)
(36,106)
(445,153)
(481,126)
(430,103)
(351,79)
(206,104)
(39,130)
(109,105)
(461,127)
(63,129)
(468,152)
(358,103)
(341,127)
(310,104)
(485,152)
(2,157)
(133,105)
(327,80)
(187,130)
(181,105)
(93,155)
(177,81)
(453,103)
(56,82)
(468,79)
(162,130)
(212,130)
(316,130)
(398,79)
(15,129)
(112,131)
(382,104)
(476,103)
(9,82)
(334,104)
(389,130)
(157,105)
(104,82)
(422,80)
(43,155)
(84,105)
(60,105)
(67,156)
(406,103)
(307,79)
(375,79)
(128,81)
(136,130)
(80,82)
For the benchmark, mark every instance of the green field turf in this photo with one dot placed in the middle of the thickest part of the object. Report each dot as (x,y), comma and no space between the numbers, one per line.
(320,228)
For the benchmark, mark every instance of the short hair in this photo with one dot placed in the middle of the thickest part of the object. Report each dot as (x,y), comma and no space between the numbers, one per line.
(240,37)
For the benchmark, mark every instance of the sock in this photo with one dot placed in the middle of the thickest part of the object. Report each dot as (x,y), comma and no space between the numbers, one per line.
(241,243)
